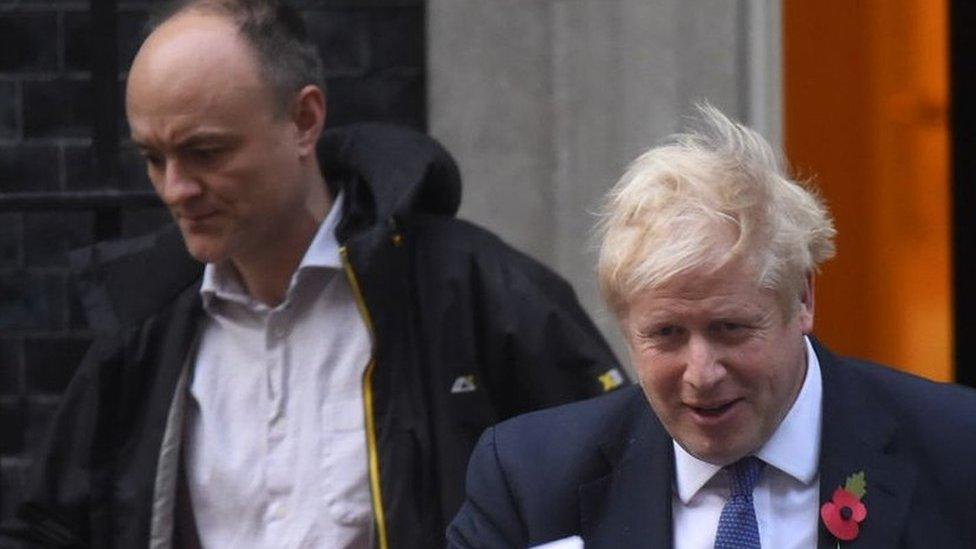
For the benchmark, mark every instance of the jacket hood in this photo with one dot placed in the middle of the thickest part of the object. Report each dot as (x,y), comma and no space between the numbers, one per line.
(387,172)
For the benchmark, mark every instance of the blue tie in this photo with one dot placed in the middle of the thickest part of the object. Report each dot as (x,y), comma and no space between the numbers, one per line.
(737,527)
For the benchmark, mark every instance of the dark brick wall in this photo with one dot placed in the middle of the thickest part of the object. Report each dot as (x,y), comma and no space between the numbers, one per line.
(374,56)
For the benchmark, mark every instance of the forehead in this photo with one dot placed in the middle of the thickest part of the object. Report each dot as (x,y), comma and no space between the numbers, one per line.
(730,291)
(193,68)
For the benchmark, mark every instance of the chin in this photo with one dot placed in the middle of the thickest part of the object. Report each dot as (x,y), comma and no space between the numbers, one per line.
(719,452)
(205,250)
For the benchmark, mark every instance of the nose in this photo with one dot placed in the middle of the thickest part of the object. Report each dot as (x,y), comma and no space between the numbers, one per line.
(703,367)
(178,185)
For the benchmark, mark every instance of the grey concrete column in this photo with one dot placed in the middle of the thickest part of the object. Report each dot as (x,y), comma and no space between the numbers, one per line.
(545,102)
(490,102)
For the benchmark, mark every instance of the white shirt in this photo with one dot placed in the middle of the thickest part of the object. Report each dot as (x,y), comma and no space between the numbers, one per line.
(275,442)
(787,497)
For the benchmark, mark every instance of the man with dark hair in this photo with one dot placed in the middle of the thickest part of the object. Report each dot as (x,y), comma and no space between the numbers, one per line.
(316,370)
(285,58)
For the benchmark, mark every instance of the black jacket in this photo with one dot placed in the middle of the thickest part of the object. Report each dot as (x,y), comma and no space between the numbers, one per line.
(445,301)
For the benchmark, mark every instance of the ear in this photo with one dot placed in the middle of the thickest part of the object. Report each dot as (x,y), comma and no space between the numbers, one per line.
(308,115)
(805,311)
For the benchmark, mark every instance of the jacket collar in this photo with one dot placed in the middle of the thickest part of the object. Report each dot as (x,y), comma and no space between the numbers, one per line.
(633,501)
(112,277)
(859,436)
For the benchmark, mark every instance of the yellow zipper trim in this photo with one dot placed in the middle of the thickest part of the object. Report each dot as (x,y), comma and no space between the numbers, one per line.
(374,461)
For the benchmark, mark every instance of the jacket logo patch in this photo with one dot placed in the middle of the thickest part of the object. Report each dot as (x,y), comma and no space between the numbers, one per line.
(464,384)
(611,379)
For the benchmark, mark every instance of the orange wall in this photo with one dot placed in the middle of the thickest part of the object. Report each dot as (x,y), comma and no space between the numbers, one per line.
(866,96)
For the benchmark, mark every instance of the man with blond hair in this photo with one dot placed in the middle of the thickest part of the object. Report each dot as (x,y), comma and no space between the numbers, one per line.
(748,432)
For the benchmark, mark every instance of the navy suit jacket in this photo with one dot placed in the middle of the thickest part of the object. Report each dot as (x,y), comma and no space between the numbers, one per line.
(602,468)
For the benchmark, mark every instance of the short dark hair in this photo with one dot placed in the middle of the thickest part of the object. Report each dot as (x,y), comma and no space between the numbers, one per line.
(288,61)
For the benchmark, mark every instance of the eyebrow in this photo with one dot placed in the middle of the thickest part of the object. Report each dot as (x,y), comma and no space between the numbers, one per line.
(206,137)
(192,140)
(667,315)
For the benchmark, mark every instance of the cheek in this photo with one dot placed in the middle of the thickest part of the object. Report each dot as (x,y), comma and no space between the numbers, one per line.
(243,186)
(272,185)
(659,377)
(156,178)
(226,190)
(754,359)
(774,378)
(790,375)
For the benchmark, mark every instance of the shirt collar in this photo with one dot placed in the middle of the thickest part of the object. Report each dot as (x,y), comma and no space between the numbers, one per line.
(220,280)
(324,249)
(791,449)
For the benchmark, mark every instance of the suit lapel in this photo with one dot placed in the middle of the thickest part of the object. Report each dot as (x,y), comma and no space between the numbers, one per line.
(631,506)
(858,435)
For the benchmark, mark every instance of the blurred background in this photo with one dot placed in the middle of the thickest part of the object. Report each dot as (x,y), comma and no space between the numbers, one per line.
(549,101)
(543,103)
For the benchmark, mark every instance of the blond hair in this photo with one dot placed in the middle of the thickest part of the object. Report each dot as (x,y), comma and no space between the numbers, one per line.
(702,200)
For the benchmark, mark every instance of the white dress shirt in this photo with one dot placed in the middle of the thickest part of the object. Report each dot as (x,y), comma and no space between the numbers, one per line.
(275,437)
(787,497)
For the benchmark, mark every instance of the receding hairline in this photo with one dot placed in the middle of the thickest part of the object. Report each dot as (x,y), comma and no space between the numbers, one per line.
(166,49)
(175,10)
(201,22)
(286,57)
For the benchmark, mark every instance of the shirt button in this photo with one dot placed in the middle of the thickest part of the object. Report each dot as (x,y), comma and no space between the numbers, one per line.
(278,425)
(278,511)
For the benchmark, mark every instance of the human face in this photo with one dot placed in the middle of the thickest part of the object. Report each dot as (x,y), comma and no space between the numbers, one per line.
(220,154)
(718,358)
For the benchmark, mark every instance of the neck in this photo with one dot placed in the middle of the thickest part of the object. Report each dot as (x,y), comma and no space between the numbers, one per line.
(267,273)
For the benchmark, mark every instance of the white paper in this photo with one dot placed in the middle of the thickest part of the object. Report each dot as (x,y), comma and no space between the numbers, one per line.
(572,542)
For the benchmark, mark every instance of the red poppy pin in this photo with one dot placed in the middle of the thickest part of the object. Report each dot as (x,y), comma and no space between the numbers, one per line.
(845,511)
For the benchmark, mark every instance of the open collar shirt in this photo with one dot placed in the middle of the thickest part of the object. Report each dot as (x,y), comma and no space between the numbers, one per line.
(275,440)
(786,498)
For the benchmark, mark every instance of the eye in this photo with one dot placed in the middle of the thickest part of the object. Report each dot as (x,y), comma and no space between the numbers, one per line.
(205,154)
(660,333)
(661,338)
(153,159)
(729,330)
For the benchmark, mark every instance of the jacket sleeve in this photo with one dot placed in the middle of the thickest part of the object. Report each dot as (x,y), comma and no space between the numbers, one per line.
(489,516)
(56,506)
(546,350)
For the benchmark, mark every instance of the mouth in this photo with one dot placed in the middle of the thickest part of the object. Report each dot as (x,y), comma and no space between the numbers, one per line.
(713,410)
(198,223)
(197,217)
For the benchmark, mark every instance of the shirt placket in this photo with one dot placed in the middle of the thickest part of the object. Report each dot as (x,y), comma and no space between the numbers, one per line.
(279,482)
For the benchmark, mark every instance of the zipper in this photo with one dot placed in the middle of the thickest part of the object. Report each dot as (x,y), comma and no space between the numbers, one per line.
(373,456)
